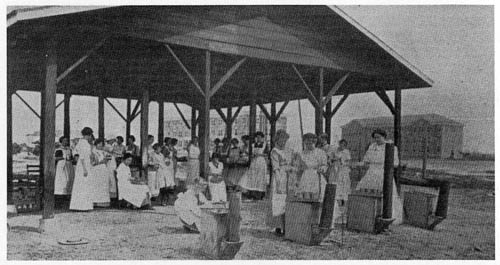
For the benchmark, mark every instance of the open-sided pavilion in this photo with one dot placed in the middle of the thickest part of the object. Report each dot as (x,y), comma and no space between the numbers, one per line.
(208,57)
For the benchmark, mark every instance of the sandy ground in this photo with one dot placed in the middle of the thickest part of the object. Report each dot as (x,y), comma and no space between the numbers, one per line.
(467,233)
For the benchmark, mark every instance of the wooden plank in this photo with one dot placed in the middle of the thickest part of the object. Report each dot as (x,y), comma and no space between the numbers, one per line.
(328,120)
(27,105)
(128,120)
(272,123)
(100,117)
(388,181)
(136,108)
(9,149)
(252,120)
(144,128)
(266,113)
(221,114)
(337,107)
(60,103)
(67,118)
(182,116)
(228,75)
(397,133)
(116,110)
(310,94)
(80,61)
(205,115)
(185,70)
(318,112)
(193,122)
(229,123)
(282,108)
(385,98)
(334,89)
(161,127)
(48,127)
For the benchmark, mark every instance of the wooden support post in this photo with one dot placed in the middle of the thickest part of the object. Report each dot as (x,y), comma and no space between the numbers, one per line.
(252,120)
(161,113)
(328,121)
(193,122)
(144,129)
(319,109)
(388,177)
(9,148)
(424,150)
(234,199)
(205,118)
(397,134)
(100,117)
(272,122)
(47,136)
(128,120)
(229,123)
(67,118)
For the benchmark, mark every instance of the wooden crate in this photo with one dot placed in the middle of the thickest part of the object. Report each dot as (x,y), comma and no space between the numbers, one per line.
(300,218)
(363,208)
(26,192)
(419,208)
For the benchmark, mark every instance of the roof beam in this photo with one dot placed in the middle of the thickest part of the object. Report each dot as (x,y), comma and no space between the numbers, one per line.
(264,110)
(228,75)
(185,70)
(221,114)
(136,107)
(236,113)
(329,113)
(385,98)
(182,116)
(311,96)
(27,105)
(282,108)
(80,61)
(117,111)
(334,89)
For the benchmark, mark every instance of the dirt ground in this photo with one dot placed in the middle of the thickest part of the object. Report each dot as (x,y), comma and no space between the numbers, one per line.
(467,233)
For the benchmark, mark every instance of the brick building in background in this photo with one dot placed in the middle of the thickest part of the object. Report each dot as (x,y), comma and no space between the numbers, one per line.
(444,139)
(177,128)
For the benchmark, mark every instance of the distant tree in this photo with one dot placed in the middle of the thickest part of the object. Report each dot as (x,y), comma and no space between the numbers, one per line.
(37,150)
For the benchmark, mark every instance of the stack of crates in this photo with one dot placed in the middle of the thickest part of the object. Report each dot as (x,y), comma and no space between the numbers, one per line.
(26,192)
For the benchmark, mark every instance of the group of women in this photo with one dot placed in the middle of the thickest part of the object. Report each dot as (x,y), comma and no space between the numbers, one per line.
(308,172)
(87,172)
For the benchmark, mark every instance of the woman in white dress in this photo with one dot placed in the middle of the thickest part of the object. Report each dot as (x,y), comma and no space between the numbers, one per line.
(164,172)
(311,178)
(135,194)
(187,205)
(256,178)
(82,195)
(193,163)
(216,184)
(343,181)
(100,174)
(282,171)
(374,177)
(65,171)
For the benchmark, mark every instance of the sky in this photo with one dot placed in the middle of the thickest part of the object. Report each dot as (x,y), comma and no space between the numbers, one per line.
(453,45)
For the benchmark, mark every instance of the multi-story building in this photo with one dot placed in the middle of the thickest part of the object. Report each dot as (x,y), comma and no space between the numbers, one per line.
(177,128)
(444,136)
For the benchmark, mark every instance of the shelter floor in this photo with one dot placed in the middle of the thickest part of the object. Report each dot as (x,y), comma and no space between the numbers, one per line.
(467,233)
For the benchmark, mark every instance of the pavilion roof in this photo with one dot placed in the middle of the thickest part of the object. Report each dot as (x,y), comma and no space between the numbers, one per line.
(131,52)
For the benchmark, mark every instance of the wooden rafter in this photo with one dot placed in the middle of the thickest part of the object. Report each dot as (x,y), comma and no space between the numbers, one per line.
(282,108)
(134,112)
(182,116)
(329,113)
(385,98)
(80,61)
(60,102)
(335,88)
(27,105)
(236,113)
(185,70)
(228,75)
(117,111)
(264,110)
(221,114)
(311,96)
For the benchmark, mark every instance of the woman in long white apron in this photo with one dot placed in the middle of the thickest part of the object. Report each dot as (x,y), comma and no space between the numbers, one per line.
(65,171)
(281,159)
(374,177)
(256,178)
(342,180)
(216,184)
(81,196)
